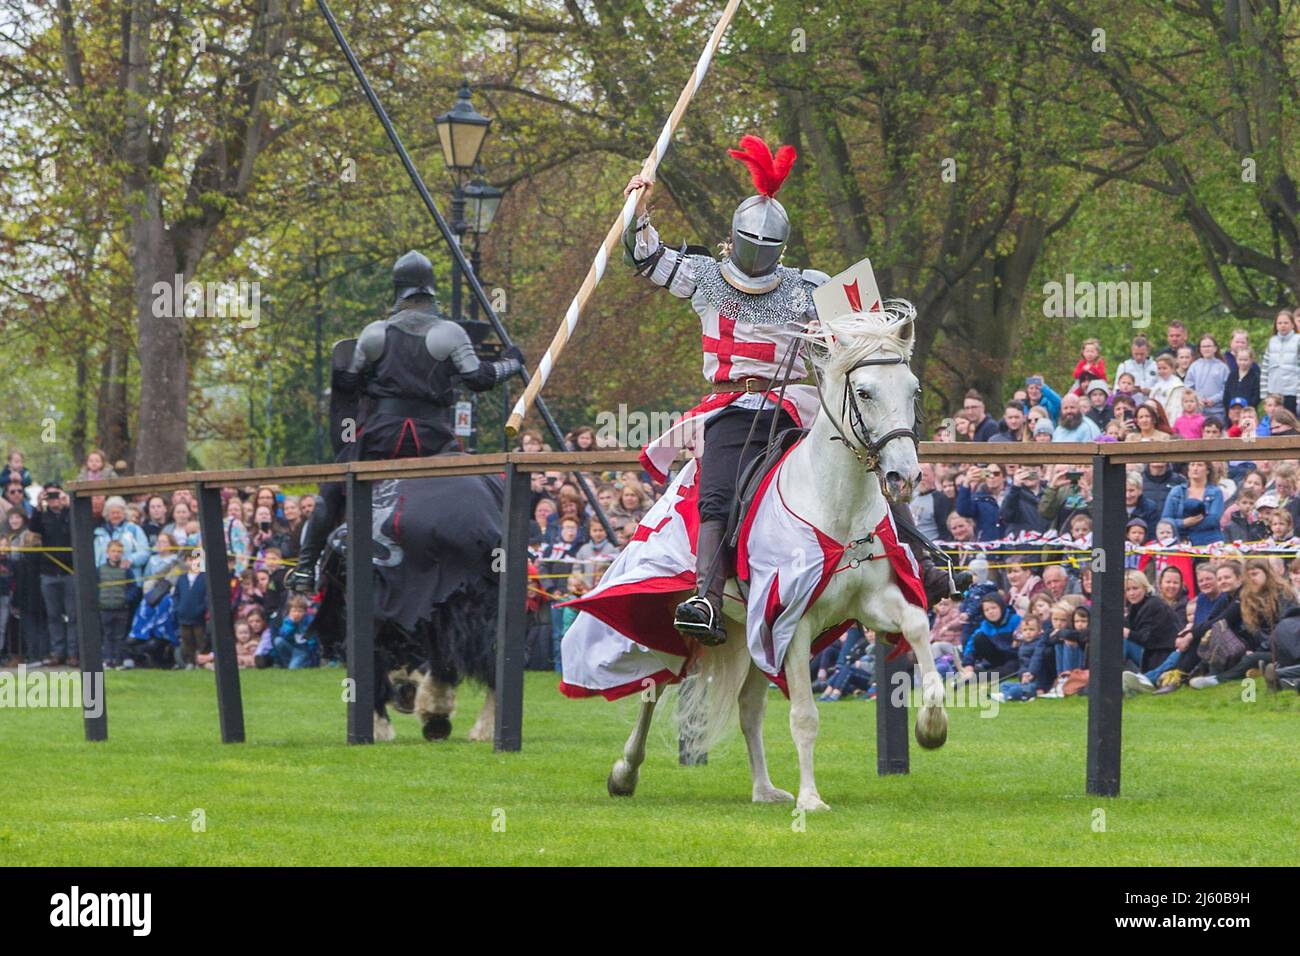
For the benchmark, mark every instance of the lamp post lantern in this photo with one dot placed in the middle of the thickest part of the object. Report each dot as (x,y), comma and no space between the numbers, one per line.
(461,132)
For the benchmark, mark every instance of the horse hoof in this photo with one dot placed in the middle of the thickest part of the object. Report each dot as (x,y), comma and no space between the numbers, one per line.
(404,698)
(812,804)
(931,732)
(384,729)
(773,795)
(437,727)
(622,780)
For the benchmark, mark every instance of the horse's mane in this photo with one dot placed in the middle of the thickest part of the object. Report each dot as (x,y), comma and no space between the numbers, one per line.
(836,345)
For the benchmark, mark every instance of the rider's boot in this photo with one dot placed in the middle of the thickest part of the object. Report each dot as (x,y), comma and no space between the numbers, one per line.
(302,577)
(700,616)
(935,578)
(938,585)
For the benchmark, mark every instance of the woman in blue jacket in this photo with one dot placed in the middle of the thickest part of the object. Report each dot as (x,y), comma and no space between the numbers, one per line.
(1196,507)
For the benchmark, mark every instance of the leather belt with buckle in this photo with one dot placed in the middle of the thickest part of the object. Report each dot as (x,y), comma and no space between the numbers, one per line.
(751,384)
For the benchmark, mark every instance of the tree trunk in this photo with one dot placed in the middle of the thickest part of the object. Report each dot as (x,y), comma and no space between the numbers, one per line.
(79,424)
(112,417)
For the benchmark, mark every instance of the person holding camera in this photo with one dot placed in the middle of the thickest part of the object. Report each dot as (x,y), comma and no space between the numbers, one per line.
(53,522)
(1066,498)
(979,497)
(1020,506)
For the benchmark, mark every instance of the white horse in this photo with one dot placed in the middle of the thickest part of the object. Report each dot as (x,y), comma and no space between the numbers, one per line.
(833,480)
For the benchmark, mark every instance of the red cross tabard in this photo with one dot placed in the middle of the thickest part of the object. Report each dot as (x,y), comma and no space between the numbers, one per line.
(725,346)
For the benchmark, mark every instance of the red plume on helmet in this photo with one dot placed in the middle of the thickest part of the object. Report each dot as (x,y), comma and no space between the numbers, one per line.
(768,173)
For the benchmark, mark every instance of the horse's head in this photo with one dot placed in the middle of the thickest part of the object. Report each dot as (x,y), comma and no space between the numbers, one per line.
(863,359)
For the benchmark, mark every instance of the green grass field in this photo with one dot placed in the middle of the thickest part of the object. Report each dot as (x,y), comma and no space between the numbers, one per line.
(1208,779)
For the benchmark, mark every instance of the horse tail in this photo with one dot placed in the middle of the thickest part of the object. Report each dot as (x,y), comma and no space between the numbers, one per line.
(706,708)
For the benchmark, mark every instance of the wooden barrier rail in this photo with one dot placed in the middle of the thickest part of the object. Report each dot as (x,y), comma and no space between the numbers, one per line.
(1105,691)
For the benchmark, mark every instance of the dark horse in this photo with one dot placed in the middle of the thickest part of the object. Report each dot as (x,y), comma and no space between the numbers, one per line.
(436,570)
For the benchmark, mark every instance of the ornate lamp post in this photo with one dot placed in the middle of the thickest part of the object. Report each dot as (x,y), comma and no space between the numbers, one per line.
(461,132)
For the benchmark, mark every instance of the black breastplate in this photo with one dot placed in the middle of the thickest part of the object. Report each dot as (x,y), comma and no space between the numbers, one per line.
(407,370)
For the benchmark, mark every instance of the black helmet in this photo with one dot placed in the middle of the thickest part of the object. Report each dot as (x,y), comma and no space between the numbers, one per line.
(412,275)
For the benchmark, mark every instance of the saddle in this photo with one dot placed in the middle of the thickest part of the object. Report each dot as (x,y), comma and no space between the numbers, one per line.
(752,476)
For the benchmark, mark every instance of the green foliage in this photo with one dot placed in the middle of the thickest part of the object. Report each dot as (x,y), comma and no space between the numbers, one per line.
(1125,165)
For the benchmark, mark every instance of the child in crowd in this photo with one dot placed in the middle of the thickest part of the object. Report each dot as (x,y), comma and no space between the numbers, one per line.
(15,470)
(271,581)
(557,560)
(577,588)
(1080,529)
(1126,385)
(264,655)
(1040,606)
(1031,680)
(1064,638)
(294,647)
(1246,420)
(115,583)
(990,647)
(246,644)
(191,606)
(1099,409)
(598,553)
(1244,382)
(1190,422)
(1135,533)
(1091,366)
(1242,523)
(1281,525)
(1168,387)
(1272,402)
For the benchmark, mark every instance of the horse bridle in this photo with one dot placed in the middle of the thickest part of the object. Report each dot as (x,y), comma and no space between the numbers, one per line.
(866,450)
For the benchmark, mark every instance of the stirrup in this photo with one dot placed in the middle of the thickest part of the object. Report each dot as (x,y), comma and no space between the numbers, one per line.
(697,618)
(962,581)
(301,579)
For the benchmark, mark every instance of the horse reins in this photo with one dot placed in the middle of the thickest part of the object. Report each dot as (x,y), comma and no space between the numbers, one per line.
(866,450)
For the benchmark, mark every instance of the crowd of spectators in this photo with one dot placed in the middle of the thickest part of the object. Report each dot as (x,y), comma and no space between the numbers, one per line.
(1211,573)
(148,552)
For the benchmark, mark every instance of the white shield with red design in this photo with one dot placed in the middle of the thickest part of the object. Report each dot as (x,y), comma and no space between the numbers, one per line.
(853,290)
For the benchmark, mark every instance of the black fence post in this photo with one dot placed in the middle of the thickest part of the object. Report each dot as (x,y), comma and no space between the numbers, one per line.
(230,703)
(361,612)
(85,582)
(893,686)
(1106,636)
(512,612)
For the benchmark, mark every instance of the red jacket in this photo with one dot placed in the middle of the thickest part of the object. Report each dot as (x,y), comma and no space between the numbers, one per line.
(1083,373)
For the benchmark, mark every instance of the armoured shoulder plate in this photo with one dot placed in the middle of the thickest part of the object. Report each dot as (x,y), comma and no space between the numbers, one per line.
(371,341)
(444,337)
(815,277)
(788,302)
